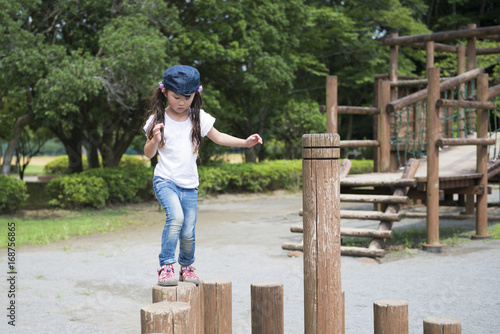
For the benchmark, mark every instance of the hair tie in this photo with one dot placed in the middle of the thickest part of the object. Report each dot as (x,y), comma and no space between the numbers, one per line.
(160,84)
(200,88)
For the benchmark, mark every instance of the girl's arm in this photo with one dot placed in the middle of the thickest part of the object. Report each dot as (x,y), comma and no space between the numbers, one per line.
(227,140)
(152,144)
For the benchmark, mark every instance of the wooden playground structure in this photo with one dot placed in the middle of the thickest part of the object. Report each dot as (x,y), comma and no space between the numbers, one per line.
(187,308)
(433,140)
(414,119)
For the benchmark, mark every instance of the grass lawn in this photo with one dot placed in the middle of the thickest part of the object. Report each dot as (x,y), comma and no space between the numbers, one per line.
(36,227)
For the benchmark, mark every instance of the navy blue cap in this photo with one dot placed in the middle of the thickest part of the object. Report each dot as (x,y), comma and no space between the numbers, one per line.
(181,79)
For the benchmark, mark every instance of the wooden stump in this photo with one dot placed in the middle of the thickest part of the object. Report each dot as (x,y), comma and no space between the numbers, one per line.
(166,317)
(437,325)
(184,292)
(321,203)
(267,308)
(217,306)
(390,317)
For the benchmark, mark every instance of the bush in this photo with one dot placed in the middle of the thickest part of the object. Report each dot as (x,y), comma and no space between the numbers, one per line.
(131,161)
(77,191)
(250,177)
(60,165)
(13,195)
(126,184)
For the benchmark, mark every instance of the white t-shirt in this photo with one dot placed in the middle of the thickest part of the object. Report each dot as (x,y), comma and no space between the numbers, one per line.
(177,161)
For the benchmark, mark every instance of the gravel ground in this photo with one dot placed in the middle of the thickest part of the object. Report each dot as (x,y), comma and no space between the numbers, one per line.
(98,284)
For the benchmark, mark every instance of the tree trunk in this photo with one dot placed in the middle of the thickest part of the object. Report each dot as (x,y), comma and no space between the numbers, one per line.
(252,153)
(19,125)
(73,147)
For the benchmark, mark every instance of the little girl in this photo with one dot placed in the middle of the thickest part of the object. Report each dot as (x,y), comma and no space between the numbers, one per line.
(174,129)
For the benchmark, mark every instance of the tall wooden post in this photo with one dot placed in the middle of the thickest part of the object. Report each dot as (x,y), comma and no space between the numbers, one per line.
(429,48)
(482,161)
(393,67)
(321,219)
(471,49)
(432,244)
(332,117)
(384,126)
(461,70)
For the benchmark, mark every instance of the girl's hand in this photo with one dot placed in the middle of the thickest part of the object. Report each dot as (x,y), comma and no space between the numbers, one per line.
(253,140)
(157,132)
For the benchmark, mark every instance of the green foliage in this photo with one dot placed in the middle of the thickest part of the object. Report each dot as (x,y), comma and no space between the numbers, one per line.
(98,186)
(250,177)
(125,185)
(77,191)
(361,166)
(60,165)
(13,195)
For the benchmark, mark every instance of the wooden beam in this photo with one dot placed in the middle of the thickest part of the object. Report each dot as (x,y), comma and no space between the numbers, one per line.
(354,232)
(359,143)
(358,110)
(388,199)
(348,182)
(441,142)
(437,47)
(444,86)
(442,36)
(442,103)
(493,91)
(369,215)
(488,51)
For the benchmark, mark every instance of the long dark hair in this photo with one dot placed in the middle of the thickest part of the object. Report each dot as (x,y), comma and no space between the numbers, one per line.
(157,109)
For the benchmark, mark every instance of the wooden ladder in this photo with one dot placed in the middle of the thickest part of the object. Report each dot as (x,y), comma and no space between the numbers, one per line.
(387,217)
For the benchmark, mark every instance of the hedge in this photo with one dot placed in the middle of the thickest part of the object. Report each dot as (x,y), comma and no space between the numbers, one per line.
(96,187)
(125,184)
(60,165)
(13,195)
(250,177)
(77,191)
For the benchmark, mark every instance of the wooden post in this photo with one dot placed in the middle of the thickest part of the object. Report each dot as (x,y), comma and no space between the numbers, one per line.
(267,308)
(218,306)
(393,67)
(384,127)
(471,49)
(321,221)
(166,317)
(432,197)
(184,292)
(376,120)
(461,70)
(482,161)
(390,317)
(332,117)
(436,325)
(429,48)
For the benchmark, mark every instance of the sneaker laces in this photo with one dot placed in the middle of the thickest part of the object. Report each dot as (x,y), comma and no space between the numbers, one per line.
(164,270)
(188,272)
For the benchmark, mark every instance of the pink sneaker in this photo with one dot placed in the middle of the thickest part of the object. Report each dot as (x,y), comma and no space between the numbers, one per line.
(166,275)
(187,275)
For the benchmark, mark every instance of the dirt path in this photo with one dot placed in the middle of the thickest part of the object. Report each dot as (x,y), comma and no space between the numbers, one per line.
(97,284)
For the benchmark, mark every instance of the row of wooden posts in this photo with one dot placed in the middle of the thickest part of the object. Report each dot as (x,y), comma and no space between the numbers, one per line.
(187,308)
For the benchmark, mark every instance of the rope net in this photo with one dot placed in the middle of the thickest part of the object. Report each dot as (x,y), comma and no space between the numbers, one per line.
(408,125)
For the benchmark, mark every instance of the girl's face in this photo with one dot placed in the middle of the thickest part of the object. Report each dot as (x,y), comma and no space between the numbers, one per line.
(179,103)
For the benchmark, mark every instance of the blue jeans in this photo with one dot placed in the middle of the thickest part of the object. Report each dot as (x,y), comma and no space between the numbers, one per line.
(181,206)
